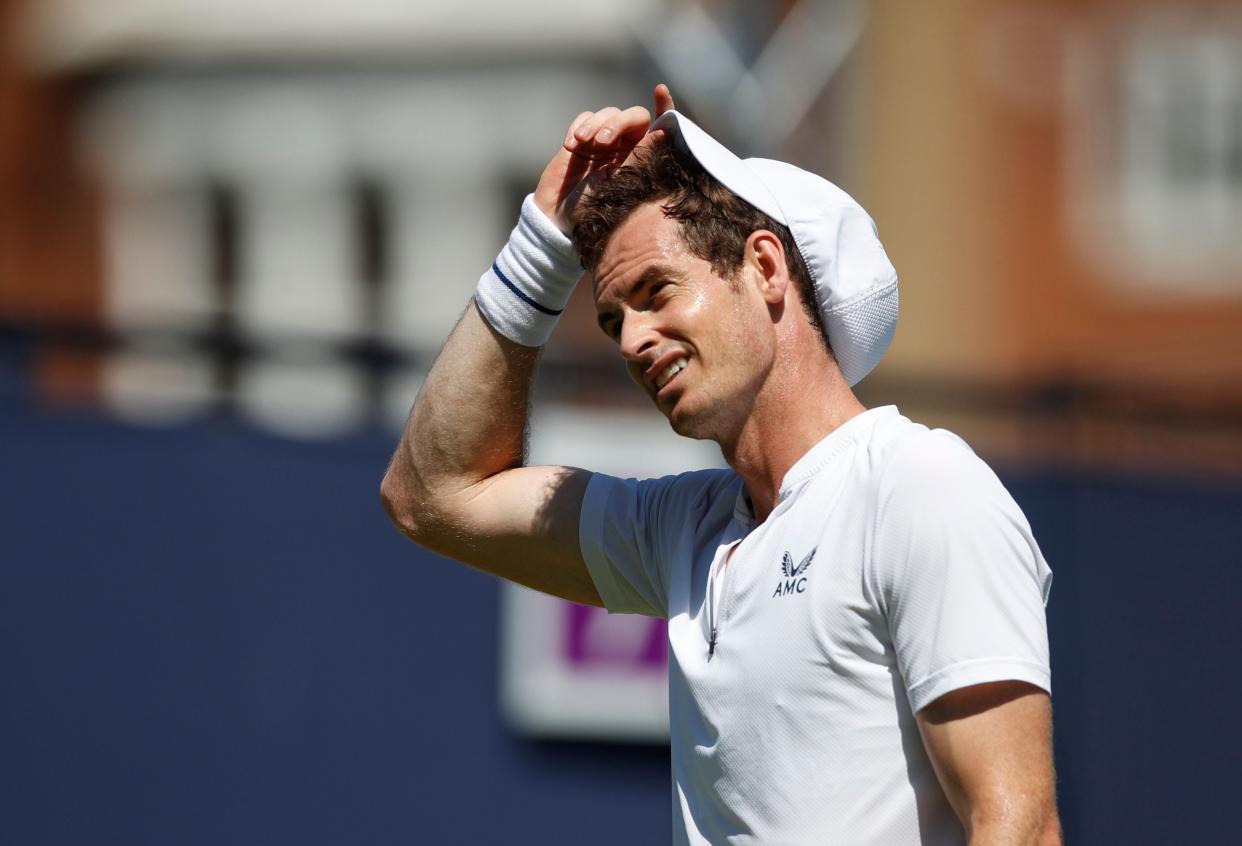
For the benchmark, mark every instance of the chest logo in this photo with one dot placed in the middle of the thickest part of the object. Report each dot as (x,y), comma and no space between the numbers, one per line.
(794,580)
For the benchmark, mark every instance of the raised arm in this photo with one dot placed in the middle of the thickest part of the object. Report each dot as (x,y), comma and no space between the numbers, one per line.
(457,483)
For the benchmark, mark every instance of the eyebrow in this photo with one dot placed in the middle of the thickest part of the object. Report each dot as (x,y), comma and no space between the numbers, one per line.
(655,273)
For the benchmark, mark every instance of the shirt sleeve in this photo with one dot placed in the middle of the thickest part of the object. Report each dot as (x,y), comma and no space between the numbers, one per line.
(631,533)
(957,573)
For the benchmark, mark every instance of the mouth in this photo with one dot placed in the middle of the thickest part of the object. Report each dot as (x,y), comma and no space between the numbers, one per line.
(668,374)
(662,376)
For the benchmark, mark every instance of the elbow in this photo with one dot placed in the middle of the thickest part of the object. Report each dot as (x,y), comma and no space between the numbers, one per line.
(1015,824)
(404,507)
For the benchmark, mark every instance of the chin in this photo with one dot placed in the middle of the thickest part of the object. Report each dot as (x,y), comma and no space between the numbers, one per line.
(689,424)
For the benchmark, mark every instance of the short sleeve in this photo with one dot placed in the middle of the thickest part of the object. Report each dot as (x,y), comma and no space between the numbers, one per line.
(956,570)
(631,532)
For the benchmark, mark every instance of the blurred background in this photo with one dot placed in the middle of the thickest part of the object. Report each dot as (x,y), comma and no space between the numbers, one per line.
(234,234)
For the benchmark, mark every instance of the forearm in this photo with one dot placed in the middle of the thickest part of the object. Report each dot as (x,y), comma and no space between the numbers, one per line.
(468,423)
(455,483)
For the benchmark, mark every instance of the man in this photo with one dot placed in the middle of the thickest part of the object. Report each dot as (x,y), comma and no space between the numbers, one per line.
(857,643)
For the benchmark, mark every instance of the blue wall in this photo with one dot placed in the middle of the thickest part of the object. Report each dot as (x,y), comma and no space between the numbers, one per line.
(214,636)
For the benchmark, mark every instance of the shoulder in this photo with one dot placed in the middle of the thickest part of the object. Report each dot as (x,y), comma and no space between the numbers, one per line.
(645,527)
(942,514)
(916,466)
(940,507)
(680,496)
(704,485)
(934,501)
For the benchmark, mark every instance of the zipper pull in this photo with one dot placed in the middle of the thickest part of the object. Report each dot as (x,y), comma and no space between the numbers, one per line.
(711,645)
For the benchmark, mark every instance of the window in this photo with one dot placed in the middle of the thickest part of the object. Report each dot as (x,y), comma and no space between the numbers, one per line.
(1157,143)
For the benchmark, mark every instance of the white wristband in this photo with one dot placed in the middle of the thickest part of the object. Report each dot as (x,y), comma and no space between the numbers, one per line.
(527,287)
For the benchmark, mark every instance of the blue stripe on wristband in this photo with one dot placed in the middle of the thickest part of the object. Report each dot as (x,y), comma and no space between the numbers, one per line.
(522,296)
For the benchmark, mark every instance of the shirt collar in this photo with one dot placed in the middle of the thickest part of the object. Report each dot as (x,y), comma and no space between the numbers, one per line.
(823,453)
(815,459)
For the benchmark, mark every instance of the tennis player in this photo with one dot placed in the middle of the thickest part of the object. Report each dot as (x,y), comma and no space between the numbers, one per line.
(857,643)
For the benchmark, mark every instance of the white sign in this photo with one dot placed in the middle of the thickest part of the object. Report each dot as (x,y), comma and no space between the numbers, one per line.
(572,671)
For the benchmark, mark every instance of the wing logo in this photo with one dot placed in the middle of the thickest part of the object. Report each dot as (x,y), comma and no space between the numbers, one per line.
(794,580)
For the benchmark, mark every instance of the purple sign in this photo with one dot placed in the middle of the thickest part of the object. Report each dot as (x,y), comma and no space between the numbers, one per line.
(595,639)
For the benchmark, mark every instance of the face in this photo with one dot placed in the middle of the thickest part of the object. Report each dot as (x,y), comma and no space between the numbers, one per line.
(698,344)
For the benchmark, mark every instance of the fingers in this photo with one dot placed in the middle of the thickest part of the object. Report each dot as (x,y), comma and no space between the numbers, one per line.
(599,128)
(655,136)
(600,131)
(634,124)
(603,131)
(663,99)
(570,141)
(663,102)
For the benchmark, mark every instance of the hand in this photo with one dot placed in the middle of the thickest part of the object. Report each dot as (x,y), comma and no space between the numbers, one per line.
(596,144)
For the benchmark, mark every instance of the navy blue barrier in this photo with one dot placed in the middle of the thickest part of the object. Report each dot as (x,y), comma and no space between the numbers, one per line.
(214,636)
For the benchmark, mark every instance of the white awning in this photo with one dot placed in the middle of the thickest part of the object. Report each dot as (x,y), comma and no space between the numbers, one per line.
(77,34)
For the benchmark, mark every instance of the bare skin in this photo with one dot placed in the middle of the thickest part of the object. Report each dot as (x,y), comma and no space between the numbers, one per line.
(752,357)
(457,483)
(991,746)
(758,381)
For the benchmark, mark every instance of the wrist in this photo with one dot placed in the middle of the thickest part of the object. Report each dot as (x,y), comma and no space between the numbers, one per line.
(528,285)
(547,207)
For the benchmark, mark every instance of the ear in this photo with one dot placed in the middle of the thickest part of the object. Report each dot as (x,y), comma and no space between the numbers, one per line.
(766,257)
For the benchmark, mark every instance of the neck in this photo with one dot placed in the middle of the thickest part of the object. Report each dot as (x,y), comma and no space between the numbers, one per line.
(797,407)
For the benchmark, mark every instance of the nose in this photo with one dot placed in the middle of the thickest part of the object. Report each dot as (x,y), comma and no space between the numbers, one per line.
(638,335)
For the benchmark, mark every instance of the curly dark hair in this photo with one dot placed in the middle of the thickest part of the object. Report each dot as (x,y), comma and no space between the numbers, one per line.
(715,222)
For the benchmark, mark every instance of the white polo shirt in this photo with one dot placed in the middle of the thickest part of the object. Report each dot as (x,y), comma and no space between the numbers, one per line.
(894,569)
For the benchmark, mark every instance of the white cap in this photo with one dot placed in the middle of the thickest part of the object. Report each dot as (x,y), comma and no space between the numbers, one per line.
(854,280)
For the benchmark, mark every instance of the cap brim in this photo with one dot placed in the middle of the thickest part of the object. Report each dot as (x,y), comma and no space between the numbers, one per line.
(720,162)
(854,281)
